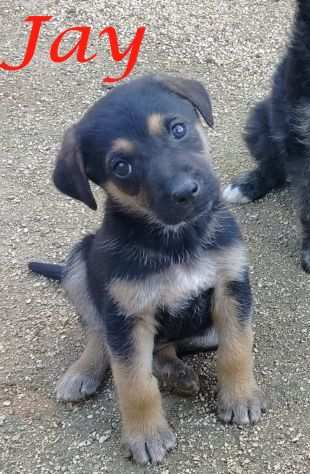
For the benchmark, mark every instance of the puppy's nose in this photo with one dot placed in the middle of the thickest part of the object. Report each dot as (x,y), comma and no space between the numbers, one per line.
(185,191)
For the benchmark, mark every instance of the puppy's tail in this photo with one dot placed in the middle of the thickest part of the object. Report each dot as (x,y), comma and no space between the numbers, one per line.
(49,270)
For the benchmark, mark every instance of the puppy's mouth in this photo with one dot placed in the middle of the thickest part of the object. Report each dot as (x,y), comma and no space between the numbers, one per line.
(176,218)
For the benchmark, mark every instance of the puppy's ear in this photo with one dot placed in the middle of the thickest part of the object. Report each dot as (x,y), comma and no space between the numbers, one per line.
(191,90)
(69,174)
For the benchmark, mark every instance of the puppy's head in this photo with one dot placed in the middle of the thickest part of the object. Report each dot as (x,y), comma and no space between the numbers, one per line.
(144,144)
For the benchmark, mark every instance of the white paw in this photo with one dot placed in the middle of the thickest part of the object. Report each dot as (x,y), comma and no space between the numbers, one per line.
(233,194)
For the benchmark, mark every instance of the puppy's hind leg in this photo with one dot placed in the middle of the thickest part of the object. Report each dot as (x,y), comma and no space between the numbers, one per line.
(173,372)
(298,168)
(84,376)
(269,172)
(301,183)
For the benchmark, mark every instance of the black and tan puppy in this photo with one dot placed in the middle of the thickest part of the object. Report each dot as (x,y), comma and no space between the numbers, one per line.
(167,270)
(278,132)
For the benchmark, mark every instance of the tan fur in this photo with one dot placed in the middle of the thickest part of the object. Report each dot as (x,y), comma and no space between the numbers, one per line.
(123,145)
(231,262)
(176,285)
(138,392)
(95,357)
(85,375)
(75,285)
(155,124)
(234,355)
(171,288)
(137,204)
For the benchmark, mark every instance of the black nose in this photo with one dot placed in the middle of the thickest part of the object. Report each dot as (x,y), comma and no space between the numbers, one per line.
(185,192)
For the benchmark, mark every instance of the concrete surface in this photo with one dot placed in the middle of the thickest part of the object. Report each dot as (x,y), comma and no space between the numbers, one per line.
(232,47)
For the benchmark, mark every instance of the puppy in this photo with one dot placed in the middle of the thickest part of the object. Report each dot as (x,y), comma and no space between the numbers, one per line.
(278,132)
(167,269)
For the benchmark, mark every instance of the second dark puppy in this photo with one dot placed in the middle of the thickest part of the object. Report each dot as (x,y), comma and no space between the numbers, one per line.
(166,270)
(278,132)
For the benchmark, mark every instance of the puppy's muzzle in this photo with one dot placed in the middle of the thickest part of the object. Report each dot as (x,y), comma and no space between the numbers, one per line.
(185,191)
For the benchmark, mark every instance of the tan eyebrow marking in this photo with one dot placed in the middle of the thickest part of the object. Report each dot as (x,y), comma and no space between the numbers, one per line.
(154,124)
(123,144)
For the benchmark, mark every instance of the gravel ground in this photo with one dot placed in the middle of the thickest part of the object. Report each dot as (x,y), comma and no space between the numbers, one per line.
(232,47)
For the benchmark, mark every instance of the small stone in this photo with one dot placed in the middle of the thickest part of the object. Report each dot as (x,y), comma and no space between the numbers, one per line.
(104,437)
(2,420)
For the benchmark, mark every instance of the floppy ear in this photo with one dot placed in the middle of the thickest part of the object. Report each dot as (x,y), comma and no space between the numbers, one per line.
(69,175)
(191,90)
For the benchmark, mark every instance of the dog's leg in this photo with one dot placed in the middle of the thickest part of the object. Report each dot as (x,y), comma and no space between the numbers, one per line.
(305,222)
(239,399)
(302,186)
(270,170)
(146,433)
(84,376)
(298,168)
(173,372)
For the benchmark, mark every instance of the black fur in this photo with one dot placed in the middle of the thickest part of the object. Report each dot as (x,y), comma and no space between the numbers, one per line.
(118,329)
(278,130)
(241,292)
(49,270)
(192,320)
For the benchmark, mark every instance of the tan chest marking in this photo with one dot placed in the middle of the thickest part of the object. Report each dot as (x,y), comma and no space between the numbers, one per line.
(173,287)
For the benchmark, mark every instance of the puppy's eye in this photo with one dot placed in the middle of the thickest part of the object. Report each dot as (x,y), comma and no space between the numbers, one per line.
(121,168)
(178,130)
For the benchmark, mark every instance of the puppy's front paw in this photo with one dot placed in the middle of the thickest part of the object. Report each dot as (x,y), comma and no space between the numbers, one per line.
(152,447)
(77,385)
(242,410)
(247,187)
(233,193)
(305,259)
